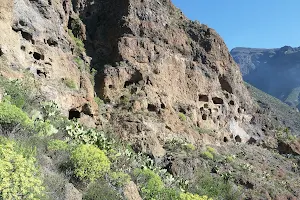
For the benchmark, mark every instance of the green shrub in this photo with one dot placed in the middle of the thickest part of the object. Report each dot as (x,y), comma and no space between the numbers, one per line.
(12,115)
(230,158)
(79,61)
(75,26)
(189,147)
(18,173)
(101,190)
(50,110)
(57,145)
(214,187)
(208,155)
(90,162)
(44,128)
(152,187)
(189,196)
(70,83)
(211,150)
(79,46)
(15,91)
(119,179)
(182,116)
(81,135)
(151,183)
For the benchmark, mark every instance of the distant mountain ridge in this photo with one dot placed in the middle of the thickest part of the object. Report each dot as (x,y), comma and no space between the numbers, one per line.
(274,71)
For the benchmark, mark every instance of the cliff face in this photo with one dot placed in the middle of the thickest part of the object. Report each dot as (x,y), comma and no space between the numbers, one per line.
(274,71)
(34,42)
(150,54)
(169,88)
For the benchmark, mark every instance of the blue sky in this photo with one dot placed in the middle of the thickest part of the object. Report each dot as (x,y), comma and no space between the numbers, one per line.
(248,23)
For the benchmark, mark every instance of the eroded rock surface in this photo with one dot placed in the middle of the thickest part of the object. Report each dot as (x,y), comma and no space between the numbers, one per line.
(35,40)
(151,58)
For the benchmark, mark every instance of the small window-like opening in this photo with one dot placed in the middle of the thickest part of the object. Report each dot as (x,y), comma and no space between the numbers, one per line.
(225,139)
(38,56)
(251,141)
(23,48)
(182,110)
(203,98)
(204,116)
(239,110)
(152,108)
(52,42)
(41,73)
(238,138)
(206,105)
(231,103)
(27,36)
(74,114)
(163,106)
(1,52)
(110,86)
(217,100)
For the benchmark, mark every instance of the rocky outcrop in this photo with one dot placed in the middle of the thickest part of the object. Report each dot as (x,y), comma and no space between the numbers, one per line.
(71,193)
(131,192)
(34,40)
(273,71)
(149,55)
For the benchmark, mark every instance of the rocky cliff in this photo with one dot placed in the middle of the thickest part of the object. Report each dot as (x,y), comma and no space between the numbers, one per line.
(274,71)
(149,54)
(166,87)
(35,40)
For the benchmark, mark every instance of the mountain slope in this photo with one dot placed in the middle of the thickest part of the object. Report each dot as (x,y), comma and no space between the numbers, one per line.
(278,112)
(129,99)
(274,71)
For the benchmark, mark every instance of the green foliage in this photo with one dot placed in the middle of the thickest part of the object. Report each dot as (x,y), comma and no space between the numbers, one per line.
(152,186)
(246,167)
(214,187)
(57,145)
(75,26)
(211,150)
(99,101)
(151,182)
(119,179)
(15,91)
(189,147)
(189,196)
(18,173)
(208,155)
(101,190)
(50,110)
(81,135)
(285,134)
(70,83)
(230,158)
(182,116)
(12,115)
(80,63)
(79,46)
(44,128)
(90,162)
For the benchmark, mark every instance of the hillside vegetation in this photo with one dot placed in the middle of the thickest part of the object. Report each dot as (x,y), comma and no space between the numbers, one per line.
(281,114)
